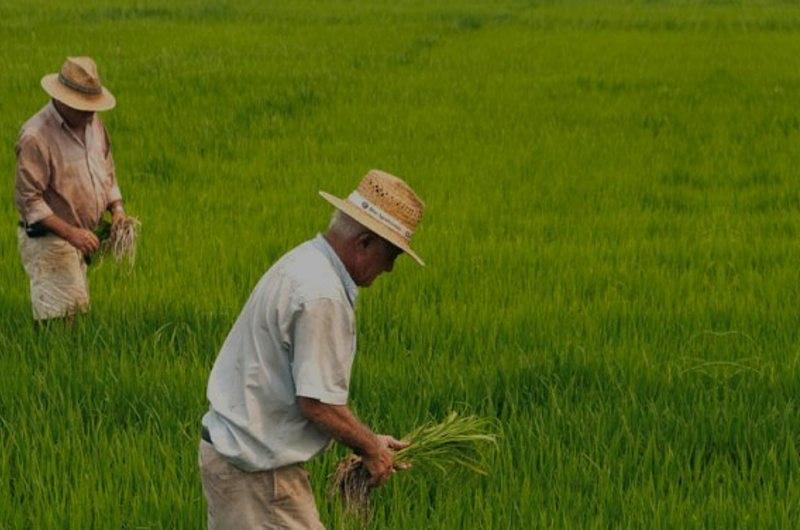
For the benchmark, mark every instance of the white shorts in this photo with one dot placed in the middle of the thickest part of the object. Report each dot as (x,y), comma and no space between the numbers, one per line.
(57,273)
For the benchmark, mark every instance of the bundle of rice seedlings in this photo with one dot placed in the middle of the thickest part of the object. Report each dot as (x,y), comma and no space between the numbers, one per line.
(456,442)
(119,239)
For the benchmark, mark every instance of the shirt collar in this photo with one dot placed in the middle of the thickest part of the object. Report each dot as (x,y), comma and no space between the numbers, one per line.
(349,285)
(51,108)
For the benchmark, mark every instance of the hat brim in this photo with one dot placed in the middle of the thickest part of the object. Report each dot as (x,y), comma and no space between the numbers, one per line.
(72,98)
(376,226)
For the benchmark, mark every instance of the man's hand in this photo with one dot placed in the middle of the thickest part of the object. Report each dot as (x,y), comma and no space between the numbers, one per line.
(83,240)
(391,442)
(376,450)
(381,464)
(395,445)
(117,215)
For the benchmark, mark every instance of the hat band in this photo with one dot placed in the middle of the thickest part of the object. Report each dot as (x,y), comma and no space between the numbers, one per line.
(379,214)
(79,88)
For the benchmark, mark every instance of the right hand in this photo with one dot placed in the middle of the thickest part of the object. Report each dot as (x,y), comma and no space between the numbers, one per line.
(379,463)
(83,240)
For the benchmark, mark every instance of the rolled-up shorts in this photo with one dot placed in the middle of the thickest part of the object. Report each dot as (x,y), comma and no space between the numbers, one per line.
(281,498)
(57,274)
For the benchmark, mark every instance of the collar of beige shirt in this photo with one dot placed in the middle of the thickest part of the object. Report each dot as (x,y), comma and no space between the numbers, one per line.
(65,126)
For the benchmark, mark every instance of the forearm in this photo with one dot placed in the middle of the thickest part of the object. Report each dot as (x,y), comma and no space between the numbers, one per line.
(340,422)
(57,226)
(117,211)
(116,207)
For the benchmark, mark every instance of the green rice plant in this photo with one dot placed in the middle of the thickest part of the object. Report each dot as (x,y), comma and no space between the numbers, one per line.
(456,442)
(612,239)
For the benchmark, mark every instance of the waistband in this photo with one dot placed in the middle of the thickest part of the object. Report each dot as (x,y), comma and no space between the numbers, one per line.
(34,230)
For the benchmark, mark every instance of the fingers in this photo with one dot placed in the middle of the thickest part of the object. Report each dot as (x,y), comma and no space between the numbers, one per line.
(393,443)
(380,478)
(84,246)
(86,242)
(93,242)
(380,466)
(89,241)
(396,444)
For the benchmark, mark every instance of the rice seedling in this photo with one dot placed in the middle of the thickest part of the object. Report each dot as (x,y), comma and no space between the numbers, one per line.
(456,442)
(119,239)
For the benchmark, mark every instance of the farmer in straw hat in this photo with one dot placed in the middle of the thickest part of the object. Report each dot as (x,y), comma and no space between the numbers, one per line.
(65,180)
(279,387)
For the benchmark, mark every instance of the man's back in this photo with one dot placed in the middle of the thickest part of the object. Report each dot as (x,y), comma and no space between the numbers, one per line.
(266,361)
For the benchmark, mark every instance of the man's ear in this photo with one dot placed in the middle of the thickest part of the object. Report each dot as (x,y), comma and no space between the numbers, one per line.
(365,239)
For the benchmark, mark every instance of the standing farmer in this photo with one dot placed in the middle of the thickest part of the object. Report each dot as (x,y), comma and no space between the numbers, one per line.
(65,180)
(279,387)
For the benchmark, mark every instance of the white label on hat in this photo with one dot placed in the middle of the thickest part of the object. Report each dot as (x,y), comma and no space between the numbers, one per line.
(379,214)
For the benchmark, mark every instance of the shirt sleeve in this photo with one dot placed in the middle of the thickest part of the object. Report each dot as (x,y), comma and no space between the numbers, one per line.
(323,340)
(32,179)
(114,194)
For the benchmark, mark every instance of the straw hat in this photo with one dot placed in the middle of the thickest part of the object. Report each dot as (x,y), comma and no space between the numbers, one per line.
(387,206)
(78,86)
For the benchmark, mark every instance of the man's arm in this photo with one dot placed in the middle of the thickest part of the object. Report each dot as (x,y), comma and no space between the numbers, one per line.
(81,239)
(341,423)
(323,353)
(338,420)
(33,177)
(114,195)
(117,211)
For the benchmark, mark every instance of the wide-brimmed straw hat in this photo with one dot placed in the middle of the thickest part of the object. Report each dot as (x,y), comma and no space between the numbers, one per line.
(386,205)
(78,85)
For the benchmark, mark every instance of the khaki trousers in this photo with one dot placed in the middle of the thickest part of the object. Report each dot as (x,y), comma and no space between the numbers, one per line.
(57,275)
(238,500)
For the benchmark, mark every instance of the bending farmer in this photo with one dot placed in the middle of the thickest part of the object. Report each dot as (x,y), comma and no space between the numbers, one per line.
(279,387)
(65,180)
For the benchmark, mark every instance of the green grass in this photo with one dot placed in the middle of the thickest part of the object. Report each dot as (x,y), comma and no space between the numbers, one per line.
(612,239)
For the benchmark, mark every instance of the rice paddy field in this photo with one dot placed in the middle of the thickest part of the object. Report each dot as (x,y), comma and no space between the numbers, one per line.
(611,234)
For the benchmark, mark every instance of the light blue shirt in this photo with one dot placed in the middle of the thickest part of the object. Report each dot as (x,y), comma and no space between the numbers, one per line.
(294,337)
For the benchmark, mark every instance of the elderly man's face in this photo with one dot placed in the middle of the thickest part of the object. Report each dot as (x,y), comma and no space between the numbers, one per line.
(374,256)
(77,119)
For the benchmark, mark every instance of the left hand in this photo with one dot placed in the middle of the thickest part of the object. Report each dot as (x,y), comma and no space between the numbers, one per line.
(117,216)
(390,442)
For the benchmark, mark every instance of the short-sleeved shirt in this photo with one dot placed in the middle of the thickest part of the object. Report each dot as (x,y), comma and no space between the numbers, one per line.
(295,336)
(62,174)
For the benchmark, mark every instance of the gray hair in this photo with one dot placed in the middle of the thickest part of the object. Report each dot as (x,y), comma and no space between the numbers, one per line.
(345,226)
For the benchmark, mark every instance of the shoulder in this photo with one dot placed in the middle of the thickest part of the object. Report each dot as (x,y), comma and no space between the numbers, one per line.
(101,132)
(310,274)
(34,132)
(39,123)
(30,145)
(100,125)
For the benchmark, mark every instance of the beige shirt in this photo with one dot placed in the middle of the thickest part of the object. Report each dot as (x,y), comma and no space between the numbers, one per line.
(295,336)
(62,174)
